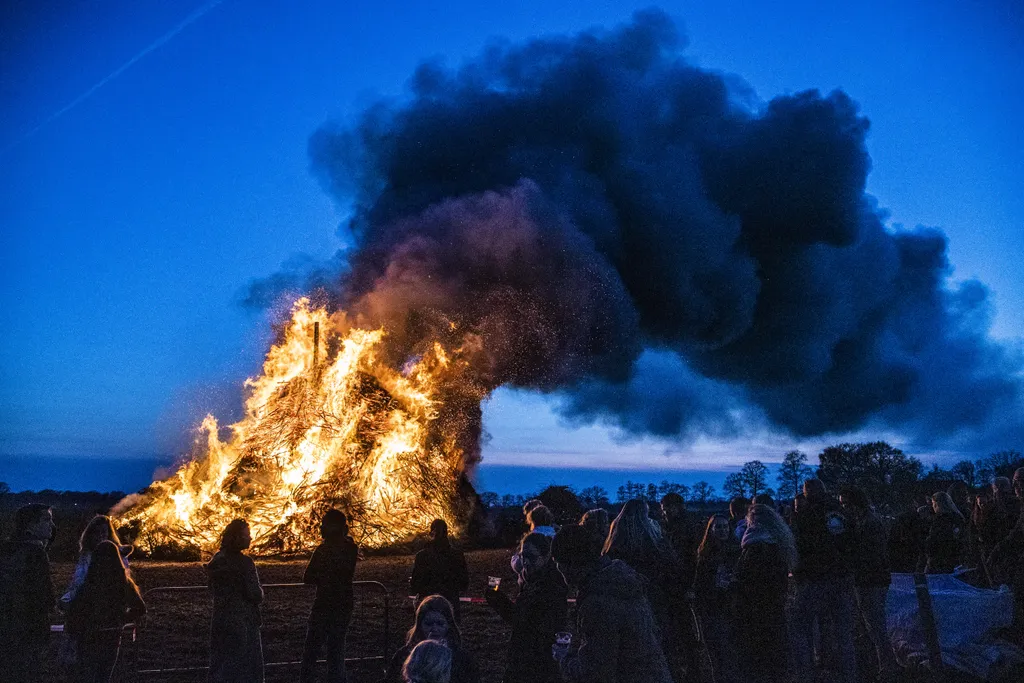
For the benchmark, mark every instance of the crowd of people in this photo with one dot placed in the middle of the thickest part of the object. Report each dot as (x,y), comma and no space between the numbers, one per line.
(768,592)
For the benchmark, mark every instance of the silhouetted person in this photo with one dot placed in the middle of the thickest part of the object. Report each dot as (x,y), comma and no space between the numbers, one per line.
(762,583)
(599,523)
(26,595)
(996,514)
(636,540)
(236,648)
(1018,487)
(100,528)
(961,497)
(714,587)
(429,662)
(616,637)
(738,515)
(943,546)
(764,499)
(870,560)
(535,615)
(1007,559)
(103,604)
(330,569)
(680,533)
(435,620)
(825,592)
(440,568)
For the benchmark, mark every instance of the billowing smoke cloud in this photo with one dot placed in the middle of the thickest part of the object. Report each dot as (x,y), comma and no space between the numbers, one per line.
(623,229)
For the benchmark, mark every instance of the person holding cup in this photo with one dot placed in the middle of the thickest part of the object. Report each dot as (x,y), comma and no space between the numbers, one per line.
(536,615)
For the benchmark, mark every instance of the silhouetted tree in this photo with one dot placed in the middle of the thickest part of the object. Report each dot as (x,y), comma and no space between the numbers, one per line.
(594,497)
(964,471)
(937,473)
(702,492)
(755,477)
(670,487)
(735,485)
(563,503)
(512,501)
(885,472)
(1001,464)
(793,472)
(490,499)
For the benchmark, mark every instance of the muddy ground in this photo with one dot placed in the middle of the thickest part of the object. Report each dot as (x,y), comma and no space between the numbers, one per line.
(175,632)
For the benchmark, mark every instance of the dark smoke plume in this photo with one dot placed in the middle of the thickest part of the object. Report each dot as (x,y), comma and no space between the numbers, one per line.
(615,226)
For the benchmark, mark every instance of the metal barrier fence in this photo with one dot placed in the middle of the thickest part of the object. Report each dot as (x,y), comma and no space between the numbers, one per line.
(192,667)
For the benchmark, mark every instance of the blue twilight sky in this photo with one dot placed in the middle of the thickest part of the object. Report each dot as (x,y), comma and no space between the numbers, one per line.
(132,219)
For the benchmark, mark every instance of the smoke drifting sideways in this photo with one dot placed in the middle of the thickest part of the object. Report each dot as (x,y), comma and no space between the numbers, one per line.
(642,239)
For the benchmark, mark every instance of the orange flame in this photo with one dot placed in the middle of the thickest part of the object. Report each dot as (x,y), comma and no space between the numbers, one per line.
(349,432)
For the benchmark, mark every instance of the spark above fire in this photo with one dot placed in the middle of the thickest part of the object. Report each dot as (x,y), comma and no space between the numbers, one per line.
(327,424)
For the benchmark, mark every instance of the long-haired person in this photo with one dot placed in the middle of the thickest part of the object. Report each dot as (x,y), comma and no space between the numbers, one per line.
(536,615)
(636,539)
(440,568)
(943,546)
(713,586)
(236,648)
(435,620)
(330,569)
(616,636)
(103,604)
(100,528)
(26,594)
(429,662)
(767,555)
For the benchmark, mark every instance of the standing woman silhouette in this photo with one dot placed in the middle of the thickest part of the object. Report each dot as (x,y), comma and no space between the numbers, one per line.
(103,604)
(236,650)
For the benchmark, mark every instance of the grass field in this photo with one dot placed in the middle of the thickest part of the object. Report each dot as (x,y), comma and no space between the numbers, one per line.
(175,632)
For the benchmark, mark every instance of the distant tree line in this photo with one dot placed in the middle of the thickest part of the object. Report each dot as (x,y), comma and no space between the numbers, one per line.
(887,474)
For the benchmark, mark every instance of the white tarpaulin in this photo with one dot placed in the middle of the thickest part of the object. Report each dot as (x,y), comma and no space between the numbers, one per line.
(966,619)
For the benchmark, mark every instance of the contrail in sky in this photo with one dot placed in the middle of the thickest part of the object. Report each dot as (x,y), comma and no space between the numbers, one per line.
(159,42)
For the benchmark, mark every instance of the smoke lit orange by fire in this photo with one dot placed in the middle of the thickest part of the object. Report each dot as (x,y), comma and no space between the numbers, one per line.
(326,425)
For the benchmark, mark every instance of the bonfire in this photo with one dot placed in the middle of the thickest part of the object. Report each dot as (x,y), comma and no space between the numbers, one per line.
(327,424)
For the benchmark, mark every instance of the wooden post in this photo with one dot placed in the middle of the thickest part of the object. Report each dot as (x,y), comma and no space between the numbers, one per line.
(316,344)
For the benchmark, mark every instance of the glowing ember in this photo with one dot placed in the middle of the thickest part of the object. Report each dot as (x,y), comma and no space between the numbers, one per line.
(326,425)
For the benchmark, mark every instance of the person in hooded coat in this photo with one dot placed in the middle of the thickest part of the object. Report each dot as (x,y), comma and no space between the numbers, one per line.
(236,648)
(536,614)
(616,637)
(768,553)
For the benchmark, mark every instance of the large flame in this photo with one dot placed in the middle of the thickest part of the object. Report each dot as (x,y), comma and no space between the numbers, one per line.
(326,425)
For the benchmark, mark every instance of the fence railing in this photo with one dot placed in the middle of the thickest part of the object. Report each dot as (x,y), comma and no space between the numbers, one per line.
(187,667)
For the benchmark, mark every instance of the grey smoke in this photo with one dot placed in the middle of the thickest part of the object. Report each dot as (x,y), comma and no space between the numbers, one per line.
(617,227)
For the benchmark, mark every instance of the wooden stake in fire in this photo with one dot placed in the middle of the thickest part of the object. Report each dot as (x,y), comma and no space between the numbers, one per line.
(316,344)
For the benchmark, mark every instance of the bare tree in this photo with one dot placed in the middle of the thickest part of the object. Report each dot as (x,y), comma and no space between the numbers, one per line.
(755,476)
(792,474)
(702,492)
